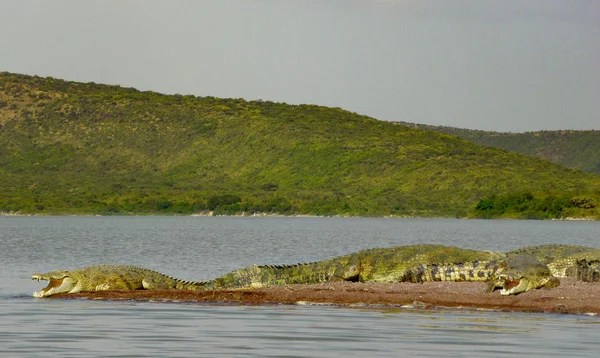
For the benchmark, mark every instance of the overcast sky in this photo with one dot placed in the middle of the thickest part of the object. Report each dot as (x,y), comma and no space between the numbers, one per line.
(500,65)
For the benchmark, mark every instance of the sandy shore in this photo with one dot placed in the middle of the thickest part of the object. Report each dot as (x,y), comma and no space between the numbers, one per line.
(570,297)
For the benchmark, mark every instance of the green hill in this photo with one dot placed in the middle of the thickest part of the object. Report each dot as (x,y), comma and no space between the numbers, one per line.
(84,148)
(577,149)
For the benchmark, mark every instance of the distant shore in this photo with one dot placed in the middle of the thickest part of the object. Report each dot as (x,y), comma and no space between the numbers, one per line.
(211,214)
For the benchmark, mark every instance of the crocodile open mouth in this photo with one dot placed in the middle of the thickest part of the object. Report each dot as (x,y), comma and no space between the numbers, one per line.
(509,284)
(55,285)
(512,285)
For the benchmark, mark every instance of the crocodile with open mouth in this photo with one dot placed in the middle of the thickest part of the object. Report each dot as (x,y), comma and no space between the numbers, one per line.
(108,277)
(544,265)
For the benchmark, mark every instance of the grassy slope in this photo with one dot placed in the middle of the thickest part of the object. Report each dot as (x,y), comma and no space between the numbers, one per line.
(85,148)
(577,149)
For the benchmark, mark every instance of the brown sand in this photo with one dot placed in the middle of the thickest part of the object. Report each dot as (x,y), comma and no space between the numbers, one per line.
(570,297)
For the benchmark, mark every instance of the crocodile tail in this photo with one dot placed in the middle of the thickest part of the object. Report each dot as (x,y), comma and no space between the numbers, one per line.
(190,285)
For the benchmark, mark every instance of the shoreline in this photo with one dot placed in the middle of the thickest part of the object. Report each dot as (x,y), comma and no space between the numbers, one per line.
(271,215)
(571,297)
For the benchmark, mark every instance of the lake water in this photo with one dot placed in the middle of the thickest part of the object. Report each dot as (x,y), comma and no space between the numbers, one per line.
(201,248)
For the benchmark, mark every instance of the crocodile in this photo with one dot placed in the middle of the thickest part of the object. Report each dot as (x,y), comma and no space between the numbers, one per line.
(108,277)
(412,263)
(544,265)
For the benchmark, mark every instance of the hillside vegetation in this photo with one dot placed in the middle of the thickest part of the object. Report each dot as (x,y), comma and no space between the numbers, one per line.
(577,149)
(84,148)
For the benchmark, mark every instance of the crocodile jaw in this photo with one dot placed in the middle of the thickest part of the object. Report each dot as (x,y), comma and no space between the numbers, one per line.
(516,286)
(56,285)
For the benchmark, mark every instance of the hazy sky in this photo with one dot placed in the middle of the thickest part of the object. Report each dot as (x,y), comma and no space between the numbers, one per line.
(501,65)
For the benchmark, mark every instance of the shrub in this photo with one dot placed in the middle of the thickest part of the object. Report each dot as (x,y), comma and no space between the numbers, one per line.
(583,202)
(222,200)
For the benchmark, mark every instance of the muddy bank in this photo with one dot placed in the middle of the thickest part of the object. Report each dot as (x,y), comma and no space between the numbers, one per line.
(570,297)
